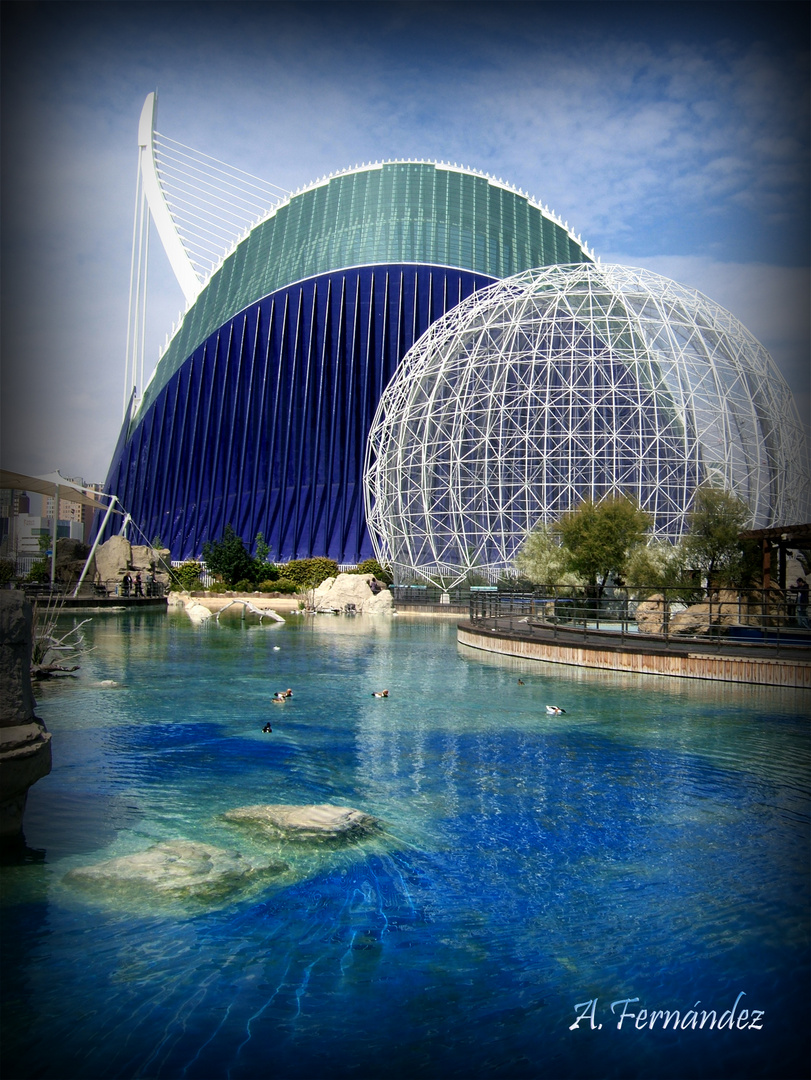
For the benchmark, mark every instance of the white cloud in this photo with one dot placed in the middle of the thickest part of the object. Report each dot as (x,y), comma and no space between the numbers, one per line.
(770,301)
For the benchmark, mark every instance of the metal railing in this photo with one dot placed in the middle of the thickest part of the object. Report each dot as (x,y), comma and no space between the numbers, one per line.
(755,616)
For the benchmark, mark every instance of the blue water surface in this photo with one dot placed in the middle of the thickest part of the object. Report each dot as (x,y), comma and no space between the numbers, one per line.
(652,843)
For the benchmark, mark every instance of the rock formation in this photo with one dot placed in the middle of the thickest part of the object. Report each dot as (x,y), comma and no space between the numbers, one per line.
(363,591)
(650,615)
(118,556)
(306,823)
(174,868)
(71,556)
(25,745)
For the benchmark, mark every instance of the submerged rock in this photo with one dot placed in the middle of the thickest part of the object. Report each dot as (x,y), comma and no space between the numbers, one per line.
(174,868)
(308,823)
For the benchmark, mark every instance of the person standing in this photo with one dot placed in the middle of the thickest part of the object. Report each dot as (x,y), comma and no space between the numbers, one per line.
(139,588)
(801,589)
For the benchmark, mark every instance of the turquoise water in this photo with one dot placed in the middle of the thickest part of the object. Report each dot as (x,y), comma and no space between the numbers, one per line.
(650,843)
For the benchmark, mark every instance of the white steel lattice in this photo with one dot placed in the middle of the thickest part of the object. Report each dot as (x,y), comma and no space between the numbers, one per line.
(566,383)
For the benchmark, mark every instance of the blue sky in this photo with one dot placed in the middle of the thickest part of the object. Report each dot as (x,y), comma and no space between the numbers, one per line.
(673,136)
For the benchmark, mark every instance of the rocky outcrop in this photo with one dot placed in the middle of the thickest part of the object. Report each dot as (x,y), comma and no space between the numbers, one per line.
(71,556)
(360,591)
(305,823)
(25,744)
(113,559)
(118,556)
(724,609)
(176,868)
(650,615)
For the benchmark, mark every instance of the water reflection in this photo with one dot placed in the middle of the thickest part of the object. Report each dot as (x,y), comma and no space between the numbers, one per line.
(654,840)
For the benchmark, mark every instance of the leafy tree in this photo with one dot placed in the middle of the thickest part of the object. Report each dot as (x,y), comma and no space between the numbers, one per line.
(541,559)
(713,543)
(597,538)
(657,566)
(228,558)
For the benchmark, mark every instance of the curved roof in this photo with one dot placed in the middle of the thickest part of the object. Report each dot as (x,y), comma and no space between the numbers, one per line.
(395,212)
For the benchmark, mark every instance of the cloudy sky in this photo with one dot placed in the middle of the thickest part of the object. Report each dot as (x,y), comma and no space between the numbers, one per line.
(673,136)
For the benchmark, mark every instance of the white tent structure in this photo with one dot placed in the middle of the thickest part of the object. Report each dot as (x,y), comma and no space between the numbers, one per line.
(59,487)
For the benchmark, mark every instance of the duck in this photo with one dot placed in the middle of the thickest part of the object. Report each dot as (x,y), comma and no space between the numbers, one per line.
(554,710)
(380,693)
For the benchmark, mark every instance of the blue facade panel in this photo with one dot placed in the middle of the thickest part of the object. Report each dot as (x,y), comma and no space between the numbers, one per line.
(264,426)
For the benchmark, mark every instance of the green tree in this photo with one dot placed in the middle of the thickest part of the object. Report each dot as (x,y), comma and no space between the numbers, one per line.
(713,543)
(542,561)
(661,565)
(597,538)
(228,558)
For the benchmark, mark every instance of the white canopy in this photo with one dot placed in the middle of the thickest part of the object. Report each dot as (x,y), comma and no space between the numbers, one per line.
(47,485)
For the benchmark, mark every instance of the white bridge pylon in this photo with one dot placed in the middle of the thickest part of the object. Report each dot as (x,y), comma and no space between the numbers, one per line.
(201,208)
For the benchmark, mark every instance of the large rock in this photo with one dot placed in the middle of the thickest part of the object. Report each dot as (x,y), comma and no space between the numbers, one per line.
(174,868)
(314,822)
(113,559)
(696,619)
(650,615)
(25,744)
(71,556)
(363,591)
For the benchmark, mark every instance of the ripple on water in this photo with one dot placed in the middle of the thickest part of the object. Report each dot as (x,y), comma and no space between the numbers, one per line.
(653,841)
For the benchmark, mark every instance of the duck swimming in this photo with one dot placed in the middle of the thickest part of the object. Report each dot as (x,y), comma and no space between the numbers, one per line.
(554,710)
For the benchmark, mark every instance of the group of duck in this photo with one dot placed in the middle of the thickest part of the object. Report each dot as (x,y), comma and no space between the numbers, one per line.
(281,696)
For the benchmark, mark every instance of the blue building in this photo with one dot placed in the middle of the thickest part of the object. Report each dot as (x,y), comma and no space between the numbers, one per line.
(258,412)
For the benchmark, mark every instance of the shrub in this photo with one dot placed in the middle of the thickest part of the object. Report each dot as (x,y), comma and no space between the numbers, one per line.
(244,586)
(285,586)
(372,566)
(218,587)
(267,586)
(6,571)
(307,573)
(40,571)
(187,576)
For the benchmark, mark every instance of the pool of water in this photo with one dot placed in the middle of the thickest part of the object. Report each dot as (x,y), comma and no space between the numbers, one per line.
(651,843)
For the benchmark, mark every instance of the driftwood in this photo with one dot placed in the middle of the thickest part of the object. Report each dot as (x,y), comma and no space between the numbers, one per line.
(253,609)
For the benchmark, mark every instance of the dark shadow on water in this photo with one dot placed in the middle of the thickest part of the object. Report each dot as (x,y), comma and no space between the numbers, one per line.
(14,851)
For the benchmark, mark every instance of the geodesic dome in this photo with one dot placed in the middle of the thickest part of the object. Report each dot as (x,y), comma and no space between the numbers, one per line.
(567,383)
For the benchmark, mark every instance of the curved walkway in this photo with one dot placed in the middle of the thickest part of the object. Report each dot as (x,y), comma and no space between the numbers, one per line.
(769,665)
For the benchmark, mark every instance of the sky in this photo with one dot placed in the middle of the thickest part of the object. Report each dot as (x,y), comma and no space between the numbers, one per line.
(673,136)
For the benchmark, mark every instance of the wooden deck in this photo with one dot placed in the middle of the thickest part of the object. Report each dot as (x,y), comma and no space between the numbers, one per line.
(738,662)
